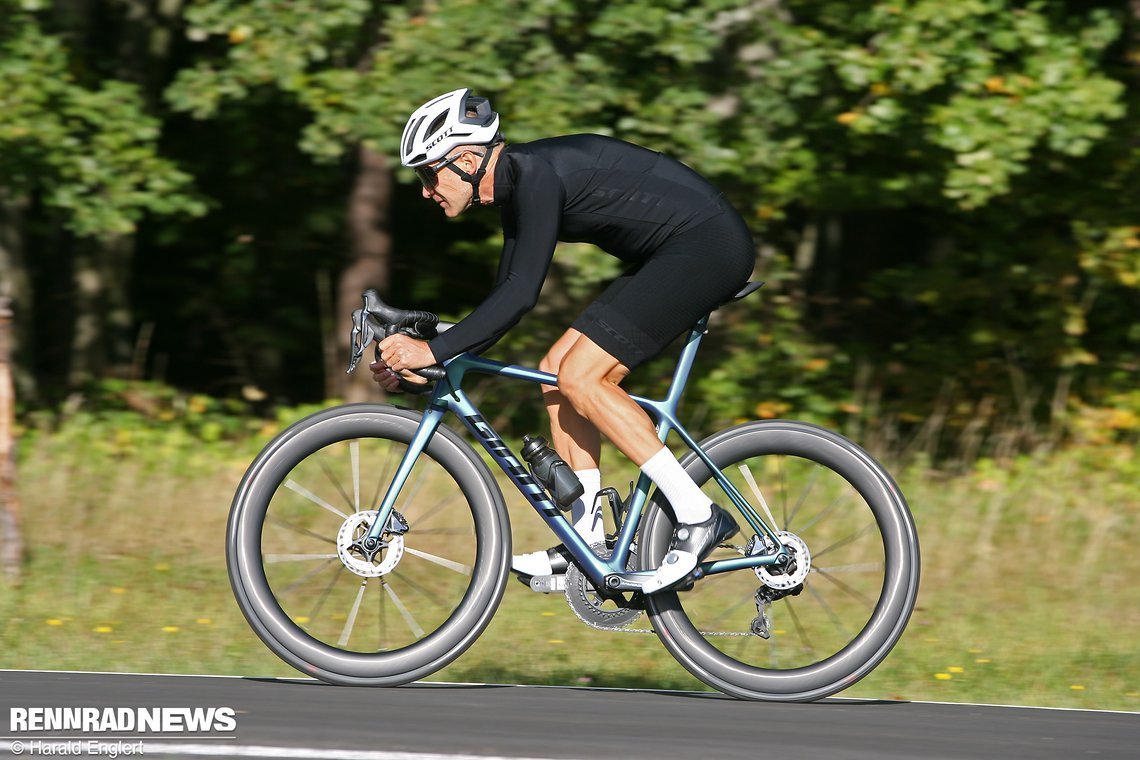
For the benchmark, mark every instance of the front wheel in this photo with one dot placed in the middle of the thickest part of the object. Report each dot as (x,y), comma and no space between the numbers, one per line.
(302,581)
(826,619)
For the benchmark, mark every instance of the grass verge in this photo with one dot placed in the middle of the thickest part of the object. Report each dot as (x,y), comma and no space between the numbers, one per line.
(1027,596)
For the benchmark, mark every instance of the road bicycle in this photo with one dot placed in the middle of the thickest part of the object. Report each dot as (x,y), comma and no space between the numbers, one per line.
(369,544)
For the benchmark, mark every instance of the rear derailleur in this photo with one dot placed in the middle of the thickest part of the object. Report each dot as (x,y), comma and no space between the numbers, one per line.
(765,595)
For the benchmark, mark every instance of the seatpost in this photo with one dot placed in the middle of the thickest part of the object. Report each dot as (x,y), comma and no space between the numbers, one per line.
(685,363)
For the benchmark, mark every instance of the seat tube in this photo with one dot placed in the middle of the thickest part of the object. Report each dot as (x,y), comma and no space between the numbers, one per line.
(685,364)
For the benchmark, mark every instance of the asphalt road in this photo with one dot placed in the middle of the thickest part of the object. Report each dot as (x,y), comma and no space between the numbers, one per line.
(306,719)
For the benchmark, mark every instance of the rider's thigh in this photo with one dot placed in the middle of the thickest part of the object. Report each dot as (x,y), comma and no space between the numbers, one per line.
(587,363)
(553,359)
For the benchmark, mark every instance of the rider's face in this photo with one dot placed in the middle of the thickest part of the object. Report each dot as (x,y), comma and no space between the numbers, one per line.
(451,192)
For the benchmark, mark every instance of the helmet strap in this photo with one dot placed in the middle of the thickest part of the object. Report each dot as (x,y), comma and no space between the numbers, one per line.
(475,179)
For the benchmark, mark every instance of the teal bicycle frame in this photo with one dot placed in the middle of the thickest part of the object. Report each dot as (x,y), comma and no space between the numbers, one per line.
(603,573)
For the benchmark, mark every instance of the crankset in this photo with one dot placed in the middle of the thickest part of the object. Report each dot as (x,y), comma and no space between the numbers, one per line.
(609,610)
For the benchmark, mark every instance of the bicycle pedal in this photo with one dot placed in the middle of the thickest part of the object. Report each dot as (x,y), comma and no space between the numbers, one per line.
(675,567)
(548,584)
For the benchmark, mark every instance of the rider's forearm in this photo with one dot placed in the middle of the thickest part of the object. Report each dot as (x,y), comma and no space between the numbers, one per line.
(490,321)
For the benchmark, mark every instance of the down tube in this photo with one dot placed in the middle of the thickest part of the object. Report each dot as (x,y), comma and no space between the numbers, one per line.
(595,568)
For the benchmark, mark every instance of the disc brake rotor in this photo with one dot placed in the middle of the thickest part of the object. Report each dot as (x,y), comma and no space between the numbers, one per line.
(354,529)
(608,612)
(793,573)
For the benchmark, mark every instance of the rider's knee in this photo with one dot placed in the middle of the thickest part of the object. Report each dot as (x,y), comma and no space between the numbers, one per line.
(576,384)
(550,363)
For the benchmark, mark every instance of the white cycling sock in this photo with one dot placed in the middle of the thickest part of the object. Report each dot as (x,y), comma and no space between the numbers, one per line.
(690,504)
(535,563)
(585,513)
(587,520)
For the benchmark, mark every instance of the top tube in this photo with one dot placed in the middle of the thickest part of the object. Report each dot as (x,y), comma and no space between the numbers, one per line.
(459,366)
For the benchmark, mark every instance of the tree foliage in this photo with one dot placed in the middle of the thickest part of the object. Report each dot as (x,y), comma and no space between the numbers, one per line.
(943,194)
(86,149)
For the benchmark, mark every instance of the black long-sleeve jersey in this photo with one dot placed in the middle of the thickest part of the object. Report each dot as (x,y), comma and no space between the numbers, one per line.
(625,199)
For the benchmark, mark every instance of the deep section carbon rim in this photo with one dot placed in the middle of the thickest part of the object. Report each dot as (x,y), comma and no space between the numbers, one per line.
(817,626)
(328,608)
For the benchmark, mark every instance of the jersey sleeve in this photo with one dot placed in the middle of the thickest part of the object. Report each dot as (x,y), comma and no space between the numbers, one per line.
(530,233)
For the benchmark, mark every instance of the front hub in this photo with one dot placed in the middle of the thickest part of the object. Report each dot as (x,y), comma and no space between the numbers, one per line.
(370,562)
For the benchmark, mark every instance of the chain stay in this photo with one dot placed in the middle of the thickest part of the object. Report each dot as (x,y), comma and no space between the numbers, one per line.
(628,627)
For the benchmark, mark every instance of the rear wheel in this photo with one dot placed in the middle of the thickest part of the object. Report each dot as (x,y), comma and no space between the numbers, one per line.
(316,599)
(825,620)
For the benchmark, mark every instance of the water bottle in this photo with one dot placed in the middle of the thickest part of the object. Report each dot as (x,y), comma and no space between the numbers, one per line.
(551,471)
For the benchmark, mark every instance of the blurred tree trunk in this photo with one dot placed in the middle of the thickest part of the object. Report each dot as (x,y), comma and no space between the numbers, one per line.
(369,267)
(15,284)
(129,40)
(101,312)
(11,527)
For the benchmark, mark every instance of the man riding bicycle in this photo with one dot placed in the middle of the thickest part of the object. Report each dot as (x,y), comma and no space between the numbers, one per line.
(687,251)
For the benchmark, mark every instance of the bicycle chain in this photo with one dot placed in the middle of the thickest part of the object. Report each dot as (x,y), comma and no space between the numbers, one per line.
(627,627)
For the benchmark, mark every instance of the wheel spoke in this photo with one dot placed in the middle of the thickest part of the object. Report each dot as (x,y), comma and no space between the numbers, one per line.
(354,458)
(392,449)
(417,631)
(431,513)
(413,492)
(844,541)
(298,529)
(783,491)
(325,594)
(803,496)
(859,567)
(449,564)
(830,612)
(799,626)
(442,531)
(300,581)
(747,473)
(848,589)
(297,557)
(431,597)
(728,612)
(335,481)
(346,632)
(830,508)
(297,488)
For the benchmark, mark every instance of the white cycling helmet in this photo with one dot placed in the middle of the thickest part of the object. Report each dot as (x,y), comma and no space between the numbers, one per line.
(440,125)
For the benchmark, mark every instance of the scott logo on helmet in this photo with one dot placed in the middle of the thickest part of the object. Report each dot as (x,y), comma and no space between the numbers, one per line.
(439,138)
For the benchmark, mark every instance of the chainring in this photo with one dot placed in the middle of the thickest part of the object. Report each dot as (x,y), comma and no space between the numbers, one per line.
(609,612)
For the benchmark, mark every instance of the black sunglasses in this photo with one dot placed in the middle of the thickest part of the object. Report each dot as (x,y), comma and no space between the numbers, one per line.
(427,174)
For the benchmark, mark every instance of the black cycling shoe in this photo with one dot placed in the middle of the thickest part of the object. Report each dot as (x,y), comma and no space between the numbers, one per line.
(701,538)
(559,557)
(691,543)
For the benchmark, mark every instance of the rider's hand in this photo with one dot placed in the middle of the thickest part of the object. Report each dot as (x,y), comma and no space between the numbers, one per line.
(384,374)
(399,353)
(388,380)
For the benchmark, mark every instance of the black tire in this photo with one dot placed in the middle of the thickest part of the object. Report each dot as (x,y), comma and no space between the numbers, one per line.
(433,596)
(855,601)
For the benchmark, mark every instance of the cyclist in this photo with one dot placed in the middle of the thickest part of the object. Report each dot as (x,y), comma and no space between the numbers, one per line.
(687,251)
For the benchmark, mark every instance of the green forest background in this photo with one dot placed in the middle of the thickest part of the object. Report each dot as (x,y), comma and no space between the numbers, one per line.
(946,206)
